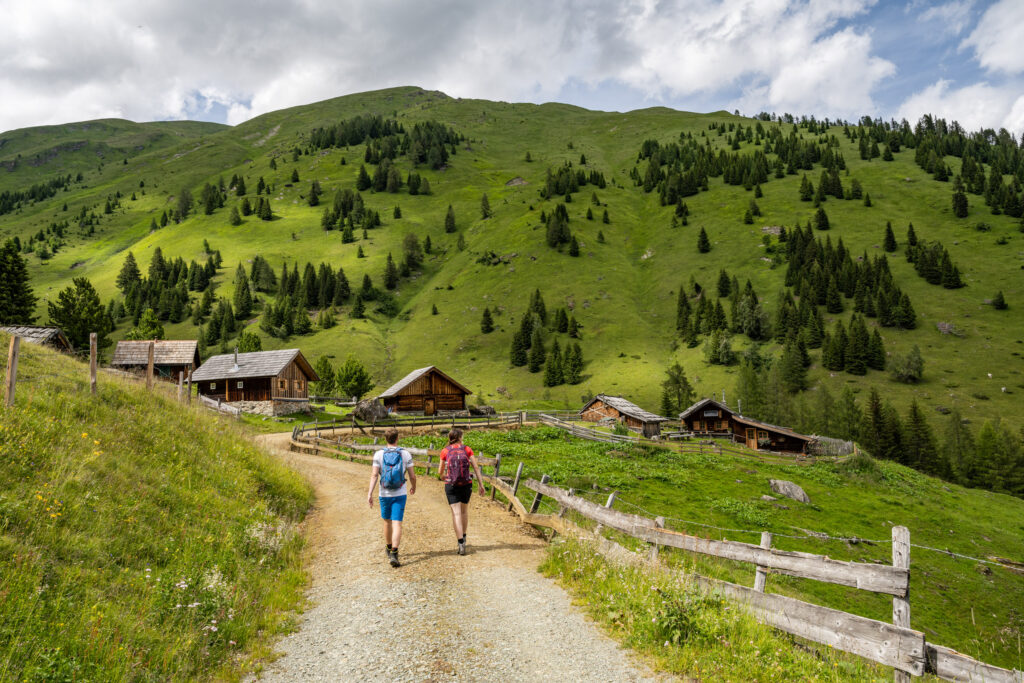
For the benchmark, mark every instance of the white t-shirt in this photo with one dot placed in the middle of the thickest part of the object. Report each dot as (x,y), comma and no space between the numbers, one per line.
(378,462)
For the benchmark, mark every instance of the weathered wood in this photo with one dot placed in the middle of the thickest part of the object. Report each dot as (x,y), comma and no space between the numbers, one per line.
(608,504)
(11,381)
(188,393)
(515,485)
(92,363)
(950,665)
(430,459)
(898,647)
(901,604)
(181,384)
(497,469)
(870,577)
(761,574)
(659,522)
(536,499)
(149,364)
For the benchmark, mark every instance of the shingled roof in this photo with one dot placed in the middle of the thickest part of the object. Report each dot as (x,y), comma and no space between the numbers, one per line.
(750,422)
(253,364)
(415,375)
(177,352)
(51,336)
(625,408)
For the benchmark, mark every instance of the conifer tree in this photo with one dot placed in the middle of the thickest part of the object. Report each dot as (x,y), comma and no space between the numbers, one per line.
(553,366)
(234,218)
(574,247)
(921,450)
(604,217)
(78,312)
(703,243)
(352,379)
(600,237)
(537,355)
(833,300)
(876,352)
(363,180)
(889,242)
(485,207)
(999,302)
(128,276)
(821,219)
(572,367)
(486,322)
(449,220)
(358,308)
(574,327)
(518,353)
(911,236)
(806,189)
(791,367)
(243,298)
(678,389)
(724,283)
(433,309)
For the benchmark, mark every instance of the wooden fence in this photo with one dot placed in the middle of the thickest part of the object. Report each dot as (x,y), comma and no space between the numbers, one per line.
(219,406)
(890,644)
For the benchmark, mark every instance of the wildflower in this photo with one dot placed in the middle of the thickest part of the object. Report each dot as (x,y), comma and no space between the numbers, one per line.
(85,435)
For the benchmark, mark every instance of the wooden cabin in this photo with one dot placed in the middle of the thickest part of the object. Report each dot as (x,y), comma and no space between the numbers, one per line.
(427,391)
(169,357)
(47,336)
(623,411)
(278,380)
(711,418)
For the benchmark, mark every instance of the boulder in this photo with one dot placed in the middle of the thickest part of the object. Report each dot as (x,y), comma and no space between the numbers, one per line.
(370,410)
(482,410)
(768,498)
(789,490)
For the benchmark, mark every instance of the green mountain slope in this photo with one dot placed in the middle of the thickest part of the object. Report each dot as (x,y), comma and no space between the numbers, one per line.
(622,291)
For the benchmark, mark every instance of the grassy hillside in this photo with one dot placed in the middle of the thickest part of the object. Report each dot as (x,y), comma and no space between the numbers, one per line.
(622,291)
(139,540)
(970,606)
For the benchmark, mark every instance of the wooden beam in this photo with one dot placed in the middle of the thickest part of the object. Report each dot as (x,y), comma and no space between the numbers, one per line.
(11,381)
(761,574)
(188,393)
(901,604)
(92,363)
(497,469)
(869,577)
(950,665)
(181,384)
(659,522)
(515,485)
(149,365)
(536,499)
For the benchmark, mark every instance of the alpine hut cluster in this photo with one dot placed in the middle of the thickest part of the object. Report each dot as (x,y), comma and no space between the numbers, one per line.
(263,382)
(603,407)
(169,358)
(711,418)
(427,391)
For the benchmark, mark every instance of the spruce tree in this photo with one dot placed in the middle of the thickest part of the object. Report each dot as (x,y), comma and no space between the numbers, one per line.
(243,298)
(724,283)
(518,353)
(574,327)
(889,242)
(911,236)
(363,181)
(572,367)
(553,366)
(78,312)
(921,450)
(574,247)
(358,308)
(876,352)
(433,309)
(999,302)
(821,219)
(537,355)
(604,217)
(703,243)
(485,207)
(486,322)
(390,273)
(791,367)
(449,220)
(234,218)
(129,274)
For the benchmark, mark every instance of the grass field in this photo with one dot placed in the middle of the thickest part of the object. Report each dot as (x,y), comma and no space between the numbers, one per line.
(139,540)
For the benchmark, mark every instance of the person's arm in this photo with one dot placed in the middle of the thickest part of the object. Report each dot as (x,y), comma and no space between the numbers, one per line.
(412,476)
(440,466)
(374,476)
(479,475)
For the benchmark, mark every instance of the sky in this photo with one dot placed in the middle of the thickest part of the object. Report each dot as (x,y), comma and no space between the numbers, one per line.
(228,61)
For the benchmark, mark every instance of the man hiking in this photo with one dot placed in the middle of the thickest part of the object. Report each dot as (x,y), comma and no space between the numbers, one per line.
(456,460)
(390,467)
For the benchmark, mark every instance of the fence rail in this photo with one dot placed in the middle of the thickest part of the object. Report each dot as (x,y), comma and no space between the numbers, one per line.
(219,406)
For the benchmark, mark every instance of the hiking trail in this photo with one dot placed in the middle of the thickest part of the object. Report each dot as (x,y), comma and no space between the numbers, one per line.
(486,616)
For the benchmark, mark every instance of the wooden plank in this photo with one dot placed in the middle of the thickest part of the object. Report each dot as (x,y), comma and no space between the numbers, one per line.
(870,577)
(181,384)
(188,392)
(92,363)
(536,499)
(659,522)
(149,365)
(11,380)
(901,604)
(900,648)
(761,574)
(608,504)
(497,469)
(515,486)
(950,665)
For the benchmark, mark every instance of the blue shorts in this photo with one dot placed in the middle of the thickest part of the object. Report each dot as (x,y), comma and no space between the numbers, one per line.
(392,507)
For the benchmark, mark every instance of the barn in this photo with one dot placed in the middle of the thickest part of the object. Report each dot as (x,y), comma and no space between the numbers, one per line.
(711,418)
(621,410)
(47,336)
(427,391)
(169,357)
(262,382)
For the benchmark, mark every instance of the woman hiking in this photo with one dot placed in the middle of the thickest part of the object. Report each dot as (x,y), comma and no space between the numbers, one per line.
(390,466)
(456,459)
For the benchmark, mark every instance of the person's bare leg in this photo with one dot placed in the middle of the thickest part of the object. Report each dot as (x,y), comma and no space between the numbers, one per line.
(387,532)
(457,519)
(396,534)
(465,519)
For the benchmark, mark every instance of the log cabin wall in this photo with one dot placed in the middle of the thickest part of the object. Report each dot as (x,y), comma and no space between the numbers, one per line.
(599,410)
(292,382)
(412,398)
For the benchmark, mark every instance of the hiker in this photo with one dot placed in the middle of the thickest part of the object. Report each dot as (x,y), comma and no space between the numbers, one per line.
(390,466)
(456,460)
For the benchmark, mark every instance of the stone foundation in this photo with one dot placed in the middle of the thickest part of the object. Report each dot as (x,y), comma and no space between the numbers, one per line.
(272,408)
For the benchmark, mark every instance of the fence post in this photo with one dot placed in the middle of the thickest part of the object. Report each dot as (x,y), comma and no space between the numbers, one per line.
(188,394)
(92,363)
(901,606)
(181,384)
(497,468)
(430,459)
(149,365)
(12,371)
(515,484)
(536,499)
(611,501)
(761,574)
(659,522)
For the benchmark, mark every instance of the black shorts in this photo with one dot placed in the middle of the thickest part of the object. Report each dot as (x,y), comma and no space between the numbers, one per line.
(458,494)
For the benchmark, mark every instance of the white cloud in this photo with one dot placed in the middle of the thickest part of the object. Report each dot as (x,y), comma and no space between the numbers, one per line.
(953,16)
(974,106)
(64,61)
(998,36)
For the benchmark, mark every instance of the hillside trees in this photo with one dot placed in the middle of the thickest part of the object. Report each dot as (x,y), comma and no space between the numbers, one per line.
(17,300)
(78,312)
(352,378)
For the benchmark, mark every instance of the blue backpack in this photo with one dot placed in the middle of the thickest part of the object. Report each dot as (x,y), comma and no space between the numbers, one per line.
(392,470)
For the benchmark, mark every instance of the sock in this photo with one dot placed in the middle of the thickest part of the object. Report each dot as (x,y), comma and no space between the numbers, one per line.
(463,539)
(388,547)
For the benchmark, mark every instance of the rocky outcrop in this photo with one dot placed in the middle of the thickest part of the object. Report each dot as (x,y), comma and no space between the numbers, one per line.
(370,410)
(789,490)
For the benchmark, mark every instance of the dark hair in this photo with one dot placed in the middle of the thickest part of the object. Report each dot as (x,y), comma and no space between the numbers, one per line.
(391,436)
(455,435)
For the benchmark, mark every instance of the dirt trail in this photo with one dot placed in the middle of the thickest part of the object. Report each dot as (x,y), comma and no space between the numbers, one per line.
(486,616)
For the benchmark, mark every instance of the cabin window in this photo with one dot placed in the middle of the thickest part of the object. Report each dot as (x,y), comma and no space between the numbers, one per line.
(239,386)
(710,413)
(282,384)
(213,386)
(298,385)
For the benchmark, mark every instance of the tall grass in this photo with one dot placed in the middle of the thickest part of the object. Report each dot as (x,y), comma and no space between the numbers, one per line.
(139,540)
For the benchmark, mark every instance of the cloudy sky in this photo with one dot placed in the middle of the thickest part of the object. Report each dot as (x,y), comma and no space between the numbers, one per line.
(66,60)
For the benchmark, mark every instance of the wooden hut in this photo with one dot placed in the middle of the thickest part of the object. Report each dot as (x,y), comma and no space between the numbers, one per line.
(169,357)
(711,418)
(47,336)
(427,391)
(264,382)
(623,411)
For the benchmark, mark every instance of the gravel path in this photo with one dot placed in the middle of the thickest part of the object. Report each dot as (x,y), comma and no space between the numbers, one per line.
(486,616)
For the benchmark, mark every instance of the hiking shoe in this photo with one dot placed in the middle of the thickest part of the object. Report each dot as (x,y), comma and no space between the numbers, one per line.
(462,548)
(393,559)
